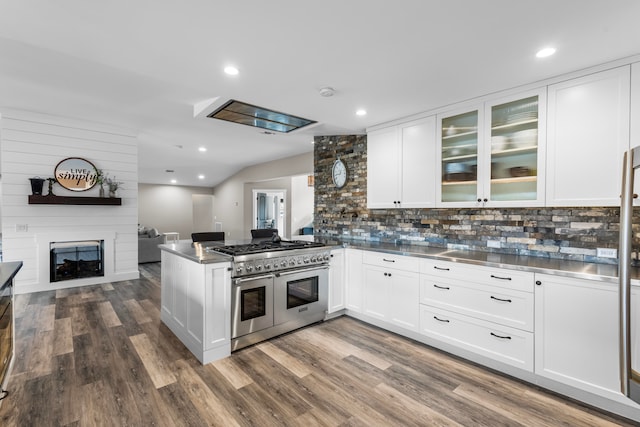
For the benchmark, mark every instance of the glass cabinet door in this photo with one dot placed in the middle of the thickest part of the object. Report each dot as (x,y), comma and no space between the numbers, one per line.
(460,158)
(514,150)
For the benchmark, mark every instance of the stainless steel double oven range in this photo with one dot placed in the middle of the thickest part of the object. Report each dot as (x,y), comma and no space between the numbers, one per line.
(276,287)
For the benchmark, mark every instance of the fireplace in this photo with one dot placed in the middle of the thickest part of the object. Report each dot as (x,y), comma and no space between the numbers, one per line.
(76,259)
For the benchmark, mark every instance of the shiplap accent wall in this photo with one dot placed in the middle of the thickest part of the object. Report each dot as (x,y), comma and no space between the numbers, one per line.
(32,145)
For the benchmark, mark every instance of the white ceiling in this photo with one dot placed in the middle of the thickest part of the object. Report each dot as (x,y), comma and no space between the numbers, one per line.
(144,64)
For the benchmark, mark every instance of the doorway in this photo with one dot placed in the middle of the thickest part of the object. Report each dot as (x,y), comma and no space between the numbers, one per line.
(269,209)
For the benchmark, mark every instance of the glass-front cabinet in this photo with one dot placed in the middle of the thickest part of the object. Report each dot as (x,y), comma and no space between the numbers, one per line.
(493,155)
(460,144)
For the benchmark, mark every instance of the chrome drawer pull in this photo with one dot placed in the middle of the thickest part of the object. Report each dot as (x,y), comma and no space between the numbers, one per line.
(501,278)
(501,337)
(388,260)
(441,287)
(440,268)
(500,299)
(441,320)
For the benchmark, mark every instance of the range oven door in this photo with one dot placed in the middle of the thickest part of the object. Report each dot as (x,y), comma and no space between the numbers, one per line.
(301,295)
(251,305)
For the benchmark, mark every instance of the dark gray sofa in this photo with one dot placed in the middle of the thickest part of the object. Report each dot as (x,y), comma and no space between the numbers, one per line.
(148,241)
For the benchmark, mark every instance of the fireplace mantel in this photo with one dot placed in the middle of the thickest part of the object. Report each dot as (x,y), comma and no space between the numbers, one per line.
(66,200)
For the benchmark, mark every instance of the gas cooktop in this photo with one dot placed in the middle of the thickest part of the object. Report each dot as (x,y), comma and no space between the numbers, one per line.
(264,246)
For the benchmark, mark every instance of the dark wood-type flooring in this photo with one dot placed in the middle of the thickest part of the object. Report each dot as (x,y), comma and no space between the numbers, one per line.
(98,355)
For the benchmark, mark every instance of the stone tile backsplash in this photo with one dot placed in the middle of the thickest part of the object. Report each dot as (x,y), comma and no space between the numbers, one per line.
(564,233)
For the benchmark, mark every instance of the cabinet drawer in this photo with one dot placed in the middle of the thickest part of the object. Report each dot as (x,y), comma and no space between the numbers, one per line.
(501,343)
(399,262)
(501,277)
(494,304)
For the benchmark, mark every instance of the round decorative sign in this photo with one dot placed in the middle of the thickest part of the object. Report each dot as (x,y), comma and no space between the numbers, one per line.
(76,174)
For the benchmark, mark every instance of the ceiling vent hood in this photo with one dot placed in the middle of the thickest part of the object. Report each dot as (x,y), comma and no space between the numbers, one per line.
(251,115)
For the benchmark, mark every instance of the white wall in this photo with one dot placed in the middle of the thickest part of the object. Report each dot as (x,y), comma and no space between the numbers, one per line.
(32,145)
(301,204)
(168,207)
(231,205)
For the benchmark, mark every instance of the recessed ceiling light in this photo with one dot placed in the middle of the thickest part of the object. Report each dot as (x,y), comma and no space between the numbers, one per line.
(202,149)
(200,176)
(173,181)
(547,51)
(232,71)
(361,112)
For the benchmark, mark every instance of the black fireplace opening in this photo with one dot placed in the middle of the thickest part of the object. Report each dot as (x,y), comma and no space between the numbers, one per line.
(76,259)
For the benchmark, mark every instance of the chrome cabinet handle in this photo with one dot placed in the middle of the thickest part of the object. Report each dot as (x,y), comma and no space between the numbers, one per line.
(441,320)
(501,278)
(500,299)
(500,336)
(441,287)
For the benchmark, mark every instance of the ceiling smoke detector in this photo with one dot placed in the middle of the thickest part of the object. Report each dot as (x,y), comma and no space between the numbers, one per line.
(327,91)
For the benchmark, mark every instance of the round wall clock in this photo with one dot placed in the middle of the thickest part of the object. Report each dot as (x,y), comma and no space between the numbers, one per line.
(339,173)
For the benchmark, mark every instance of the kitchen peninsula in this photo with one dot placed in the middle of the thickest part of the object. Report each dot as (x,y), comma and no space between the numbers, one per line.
(525,316)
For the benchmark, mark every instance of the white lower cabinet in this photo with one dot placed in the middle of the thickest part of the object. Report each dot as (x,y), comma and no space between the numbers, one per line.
(577,340)
(485,310)
(196,305)
(507,307)
(337,296)
(392,294)
(502,343)
(353,273)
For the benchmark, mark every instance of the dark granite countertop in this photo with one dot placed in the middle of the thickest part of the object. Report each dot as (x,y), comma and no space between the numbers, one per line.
(8,271)
(578,269)
(558,267)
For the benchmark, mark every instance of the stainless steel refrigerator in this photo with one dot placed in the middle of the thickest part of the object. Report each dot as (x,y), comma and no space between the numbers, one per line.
(629,369)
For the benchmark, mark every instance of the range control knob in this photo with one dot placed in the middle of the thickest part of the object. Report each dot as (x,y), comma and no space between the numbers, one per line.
(283,263)
(249,268)
(259,267)
(313,259)
(326,257)
(267,266)
(239,269)
(306,260)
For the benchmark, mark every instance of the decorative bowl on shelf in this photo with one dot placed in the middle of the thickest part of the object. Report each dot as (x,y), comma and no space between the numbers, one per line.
(519,171)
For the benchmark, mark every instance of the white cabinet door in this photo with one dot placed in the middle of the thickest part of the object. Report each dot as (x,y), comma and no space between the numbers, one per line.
(392,295)
(513,153)
(576,333)
(401,164)
(418,177)
(168,278)
(217,306)
(354,282)
(458,156)
(376,292)
(337,281)
(383,168)
(587,134)
(404,299)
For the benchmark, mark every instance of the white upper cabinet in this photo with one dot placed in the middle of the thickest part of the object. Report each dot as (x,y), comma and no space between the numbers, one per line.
(401,165)
(634,138)
(587,134)
(493,155)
